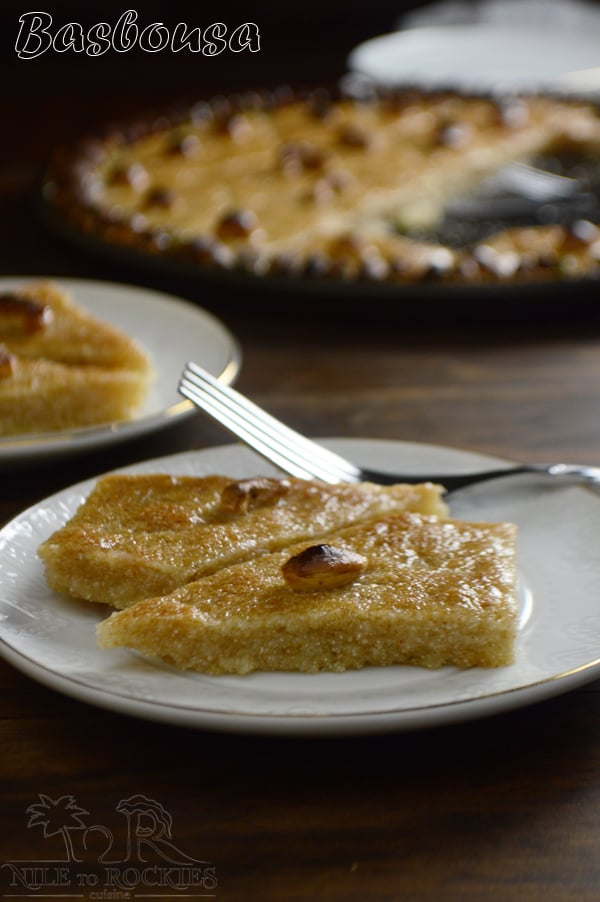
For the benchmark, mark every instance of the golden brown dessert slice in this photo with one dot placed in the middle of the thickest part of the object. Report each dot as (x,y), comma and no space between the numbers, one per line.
(403,589)
(41,320)
(40,395)
(142,535)
(61,368)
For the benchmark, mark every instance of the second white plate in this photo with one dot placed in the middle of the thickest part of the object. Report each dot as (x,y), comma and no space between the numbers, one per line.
(52,639)
(171,330)
(482,58)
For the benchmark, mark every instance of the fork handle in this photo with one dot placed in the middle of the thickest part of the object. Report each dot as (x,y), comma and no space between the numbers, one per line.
(454,481)
(450,482)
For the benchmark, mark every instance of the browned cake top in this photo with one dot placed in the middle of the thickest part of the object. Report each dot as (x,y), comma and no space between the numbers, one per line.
(405,588)
(137,535)
(412,562)
(41,320)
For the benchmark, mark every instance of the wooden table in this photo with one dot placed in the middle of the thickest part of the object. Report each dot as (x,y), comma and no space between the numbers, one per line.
(504,808)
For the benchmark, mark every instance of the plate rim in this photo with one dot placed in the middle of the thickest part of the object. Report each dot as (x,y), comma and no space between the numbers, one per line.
(308,724)
(311,723)
(557,83)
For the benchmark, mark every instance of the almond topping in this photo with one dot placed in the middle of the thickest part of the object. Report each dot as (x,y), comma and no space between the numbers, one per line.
(23,313)
(7,363)
(236,224)
(184,144)
(236,125)
(352,135)
(454,134)
(322,567)
(299,156)
(161,197)
(246,494)
(134,175)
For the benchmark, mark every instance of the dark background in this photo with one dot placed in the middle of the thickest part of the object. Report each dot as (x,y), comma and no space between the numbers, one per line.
(60,97)
(302,43)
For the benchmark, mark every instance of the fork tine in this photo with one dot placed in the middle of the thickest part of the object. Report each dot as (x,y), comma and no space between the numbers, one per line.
(271,436)
(291,451)
(270,428)
(244,431)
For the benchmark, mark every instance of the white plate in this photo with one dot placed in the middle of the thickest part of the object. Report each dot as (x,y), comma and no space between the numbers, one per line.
(171,330)
(52,639)
(482,57)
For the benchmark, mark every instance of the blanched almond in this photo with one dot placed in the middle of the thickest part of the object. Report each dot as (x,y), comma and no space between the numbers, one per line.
(22,313)
(246,494)
(7,362)
(322,567)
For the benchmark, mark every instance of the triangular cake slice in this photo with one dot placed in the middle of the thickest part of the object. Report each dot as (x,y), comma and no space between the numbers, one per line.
(61,368)
(141,535)
(402,589)
(41,320)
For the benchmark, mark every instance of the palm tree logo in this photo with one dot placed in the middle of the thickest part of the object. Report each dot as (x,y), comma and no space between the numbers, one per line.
(149,829)
(58,817)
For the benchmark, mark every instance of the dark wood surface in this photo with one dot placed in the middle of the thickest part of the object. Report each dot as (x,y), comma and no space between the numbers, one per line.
(504,808)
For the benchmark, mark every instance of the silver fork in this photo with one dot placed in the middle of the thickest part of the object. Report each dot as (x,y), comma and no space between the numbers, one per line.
(299,456)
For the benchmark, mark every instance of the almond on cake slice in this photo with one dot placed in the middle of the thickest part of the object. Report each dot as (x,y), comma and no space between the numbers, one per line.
(137,536)
(42,320)
(61,368)
(399,589)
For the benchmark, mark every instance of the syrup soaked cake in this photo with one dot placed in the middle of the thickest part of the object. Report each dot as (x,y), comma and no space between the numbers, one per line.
(43,396)
(400,589)
(60,367)
(138,536)
(321,185)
